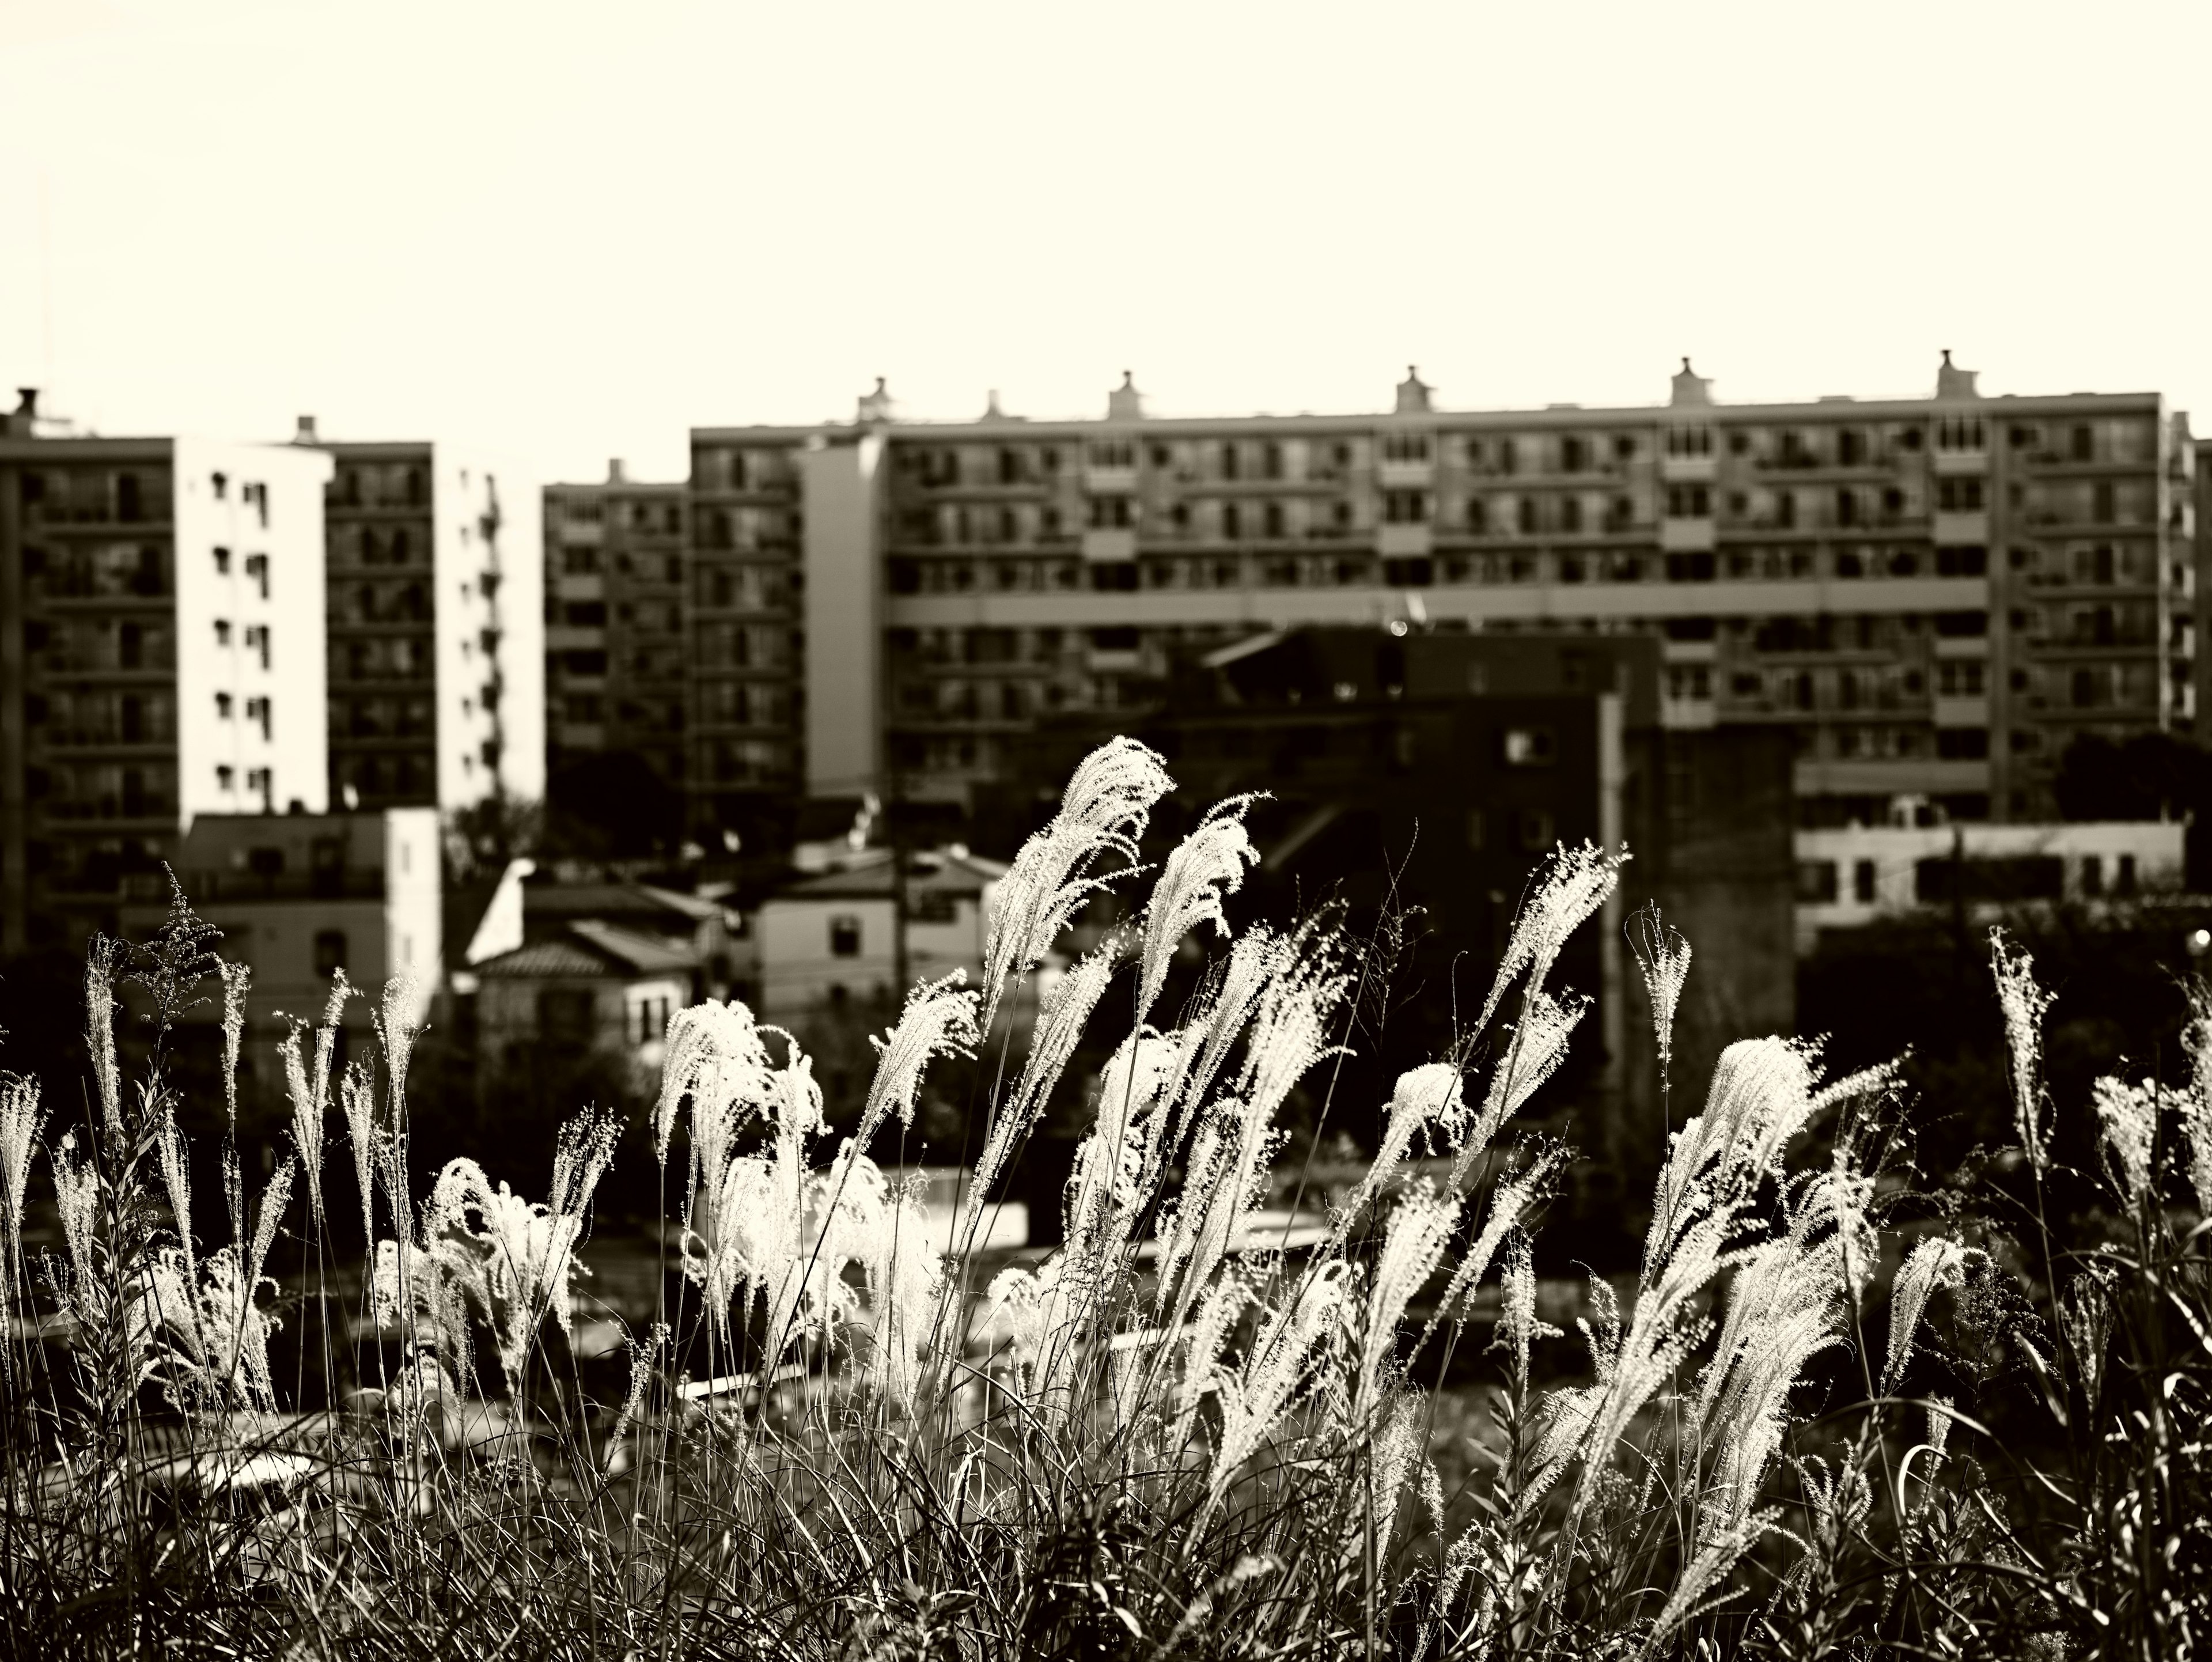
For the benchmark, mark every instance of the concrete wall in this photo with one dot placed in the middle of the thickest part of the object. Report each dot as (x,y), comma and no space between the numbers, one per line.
(844,617)
(1894,853)
(797,970)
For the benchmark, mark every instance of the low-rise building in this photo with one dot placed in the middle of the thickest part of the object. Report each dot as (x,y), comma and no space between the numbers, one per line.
(836,936)
(1850,877)
(299,896)
(592,987)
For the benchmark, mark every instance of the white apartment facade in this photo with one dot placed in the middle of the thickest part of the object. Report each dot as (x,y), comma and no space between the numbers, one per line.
(161,657)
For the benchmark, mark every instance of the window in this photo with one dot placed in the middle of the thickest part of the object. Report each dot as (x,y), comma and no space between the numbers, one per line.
(330,953)
(257,571)
(2092,875)
(1863,889)
(226,776)
(1535,829)
(1526,747)
(222,706)
(2123,878)
(1962,744)
(222,631)
(844,936)
(222,562)
(257,709)
(1816,882)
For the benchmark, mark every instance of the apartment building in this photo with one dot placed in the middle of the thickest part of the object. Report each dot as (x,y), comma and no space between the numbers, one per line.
(436,647)
(617,670)
(161,656)
(1932,595)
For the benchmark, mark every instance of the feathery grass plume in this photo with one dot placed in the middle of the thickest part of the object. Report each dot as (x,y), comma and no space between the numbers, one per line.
(237,979)
(1207,866)
(177,1184)
(357,1101)
(1787,1304)
(327,1036)
(1110,1163)
(274,1199)
(1575,884)
(1518,1327)
(102,960)
(1289,1035)
(307,1115)
(1062,1015)
(1760,1098)
(581,1153)
(1413,1244)
(641,1358)
(234,1329)
(2128,1115)
(2196,1102)
(1538,1046)
(396,1027)
(1693,1595)
(422,1288)
(76,1194)
(937,1021)
(1260,958)
(1509,1202)
(1223,1308)
(1426,1099)
(2024,1004)
(521,1263)
(905,1276)
(1395,1448)
(713,1049)
(21,1120)
(1936,1262)
(2086,1317)
(1293,1345)
(1662,957)
(1104,810)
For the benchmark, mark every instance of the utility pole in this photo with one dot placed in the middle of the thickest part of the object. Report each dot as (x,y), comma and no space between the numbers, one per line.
(895,828)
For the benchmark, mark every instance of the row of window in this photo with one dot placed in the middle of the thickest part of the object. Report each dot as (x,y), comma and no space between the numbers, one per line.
(2003,877)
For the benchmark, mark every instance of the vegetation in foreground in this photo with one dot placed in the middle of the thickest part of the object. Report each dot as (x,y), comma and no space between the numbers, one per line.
(1833,1412)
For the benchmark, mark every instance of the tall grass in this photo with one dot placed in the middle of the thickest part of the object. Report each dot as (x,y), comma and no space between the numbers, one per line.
(1831,1411)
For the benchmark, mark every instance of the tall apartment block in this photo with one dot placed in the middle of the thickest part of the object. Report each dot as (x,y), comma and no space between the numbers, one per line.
(436,647)
(161,655)
(616,675)
(1932,594)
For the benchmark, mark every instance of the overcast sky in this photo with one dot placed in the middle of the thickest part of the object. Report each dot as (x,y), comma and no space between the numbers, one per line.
(574,233)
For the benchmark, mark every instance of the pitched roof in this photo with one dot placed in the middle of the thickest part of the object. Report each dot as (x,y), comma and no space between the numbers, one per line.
(590,947)
(937,871)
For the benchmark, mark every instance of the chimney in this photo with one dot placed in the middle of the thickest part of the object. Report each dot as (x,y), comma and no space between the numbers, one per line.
(1125,402)
(28,403)
(1952,382)
(307,433)
(874,406)
(615,474)
(1691,387)
(1412,394)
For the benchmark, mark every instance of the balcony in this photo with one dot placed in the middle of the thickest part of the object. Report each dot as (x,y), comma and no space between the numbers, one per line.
(1687,470)
(1952,530)
(1106,479)
(1104,545)
(1954,462)
(1405,475)
(1404,542)
(1686,536)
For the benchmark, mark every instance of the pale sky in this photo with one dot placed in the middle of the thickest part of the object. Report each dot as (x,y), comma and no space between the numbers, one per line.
(573,233)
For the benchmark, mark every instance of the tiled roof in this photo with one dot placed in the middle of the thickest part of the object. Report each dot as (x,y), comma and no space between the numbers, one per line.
(590,947)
